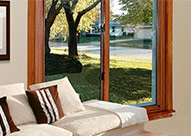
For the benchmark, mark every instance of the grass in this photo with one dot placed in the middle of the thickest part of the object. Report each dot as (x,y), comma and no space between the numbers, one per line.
(130,79)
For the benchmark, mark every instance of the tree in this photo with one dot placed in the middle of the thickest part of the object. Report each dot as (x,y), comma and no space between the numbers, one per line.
(68,16)
(136,12)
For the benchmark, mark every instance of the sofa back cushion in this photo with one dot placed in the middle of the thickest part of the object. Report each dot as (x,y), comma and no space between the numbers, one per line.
(7,125)
(19,107)
(70,101)
(12,89)
(46,104)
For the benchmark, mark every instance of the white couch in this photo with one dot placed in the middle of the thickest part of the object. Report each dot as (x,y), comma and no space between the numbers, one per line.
(32,129)
(88,122)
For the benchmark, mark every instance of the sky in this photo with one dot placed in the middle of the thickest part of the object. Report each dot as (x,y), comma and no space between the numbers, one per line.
(115,7)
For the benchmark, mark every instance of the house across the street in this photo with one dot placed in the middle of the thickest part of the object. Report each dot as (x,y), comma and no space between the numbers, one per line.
(116,29)
(143,32)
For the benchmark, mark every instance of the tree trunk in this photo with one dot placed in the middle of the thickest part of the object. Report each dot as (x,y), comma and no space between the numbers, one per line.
(52,13)
(47,36)
(72,42)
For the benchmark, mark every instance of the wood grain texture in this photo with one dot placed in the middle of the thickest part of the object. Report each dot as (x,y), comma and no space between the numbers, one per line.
(164,107)
(36,57)
(106,49)
(161,114)
(169,55)
(161,62)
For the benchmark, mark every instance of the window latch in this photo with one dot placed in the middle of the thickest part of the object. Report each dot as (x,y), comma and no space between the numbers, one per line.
(102,76)
(102,27)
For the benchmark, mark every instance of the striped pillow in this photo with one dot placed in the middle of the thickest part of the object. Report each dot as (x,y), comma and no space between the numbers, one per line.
(7,125)
(45,104)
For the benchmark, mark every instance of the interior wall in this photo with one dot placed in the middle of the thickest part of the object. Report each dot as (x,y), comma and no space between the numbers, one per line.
(15,70)
(180,123)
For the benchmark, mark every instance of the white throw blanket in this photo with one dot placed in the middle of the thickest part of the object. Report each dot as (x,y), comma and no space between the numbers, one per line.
(129,115)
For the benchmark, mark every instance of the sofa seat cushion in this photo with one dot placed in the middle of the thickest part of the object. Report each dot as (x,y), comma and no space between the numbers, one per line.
(41,130)
(90,122)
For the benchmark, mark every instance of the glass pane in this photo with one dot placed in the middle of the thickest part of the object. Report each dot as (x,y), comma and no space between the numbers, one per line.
(133,51)
(74,53)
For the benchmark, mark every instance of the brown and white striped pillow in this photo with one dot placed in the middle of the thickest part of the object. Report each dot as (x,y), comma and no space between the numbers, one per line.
(7,125)
(45,104)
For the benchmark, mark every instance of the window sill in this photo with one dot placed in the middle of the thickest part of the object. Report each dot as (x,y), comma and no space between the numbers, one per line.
(160,115)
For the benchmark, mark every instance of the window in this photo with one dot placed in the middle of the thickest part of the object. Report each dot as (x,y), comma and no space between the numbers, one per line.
(163,106)
(133,60)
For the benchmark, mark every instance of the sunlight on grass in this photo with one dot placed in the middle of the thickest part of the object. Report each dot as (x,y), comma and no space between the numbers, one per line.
(130,78)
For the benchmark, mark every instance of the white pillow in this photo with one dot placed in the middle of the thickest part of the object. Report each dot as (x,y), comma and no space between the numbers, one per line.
(18,103)
(20,109)
(70,101)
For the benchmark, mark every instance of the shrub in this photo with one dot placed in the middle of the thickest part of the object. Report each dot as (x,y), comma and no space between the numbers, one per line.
(58,64)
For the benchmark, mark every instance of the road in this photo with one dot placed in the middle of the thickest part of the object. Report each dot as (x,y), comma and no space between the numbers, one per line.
(93,48)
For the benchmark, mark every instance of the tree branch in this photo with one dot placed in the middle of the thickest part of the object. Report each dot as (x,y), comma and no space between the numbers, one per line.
(54,1)
(66,4)
(69,17)
(53,12)
(89,8)
(74,4)
(60,6)
(81,13)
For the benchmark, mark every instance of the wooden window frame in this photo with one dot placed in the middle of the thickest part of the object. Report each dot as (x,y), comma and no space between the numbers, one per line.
(164,106)
(36,42)
(36,57)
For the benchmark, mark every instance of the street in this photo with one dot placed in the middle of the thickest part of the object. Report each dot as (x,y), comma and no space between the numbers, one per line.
(94,48)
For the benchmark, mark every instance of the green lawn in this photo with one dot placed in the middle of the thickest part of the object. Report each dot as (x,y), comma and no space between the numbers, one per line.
(130,79)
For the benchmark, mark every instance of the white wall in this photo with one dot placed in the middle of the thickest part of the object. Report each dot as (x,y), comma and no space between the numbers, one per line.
(180,124)
(15,70)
